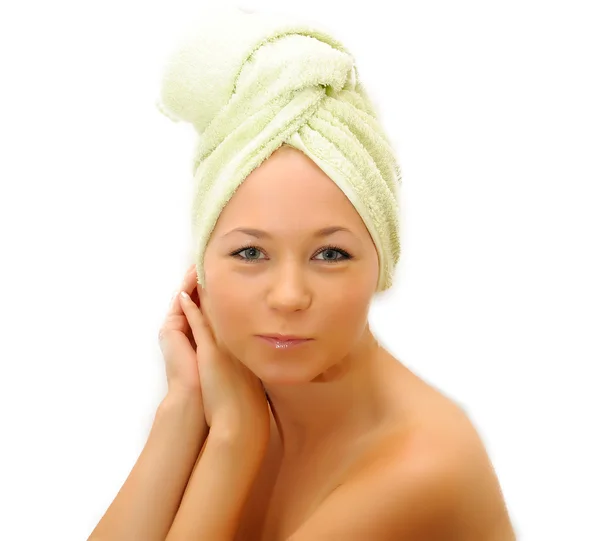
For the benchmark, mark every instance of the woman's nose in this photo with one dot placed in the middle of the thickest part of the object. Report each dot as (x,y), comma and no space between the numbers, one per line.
(289,291)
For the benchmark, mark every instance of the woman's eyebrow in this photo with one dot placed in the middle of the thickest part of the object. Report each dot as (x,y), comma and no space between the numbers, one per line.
(258,233)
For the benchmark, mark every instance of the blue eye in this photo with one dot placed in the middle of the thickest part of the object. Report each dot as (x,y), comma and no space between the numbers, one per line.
(246,249)
(250,248)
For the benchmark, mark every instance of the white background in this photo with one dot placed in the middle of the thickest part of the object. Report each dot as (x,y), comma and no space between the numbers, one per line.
(494,110)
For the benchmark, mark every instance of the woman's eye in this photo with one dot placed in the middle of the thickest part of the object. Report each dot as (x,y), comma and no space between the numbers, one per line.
(251,250)
(329,254)
(331,251)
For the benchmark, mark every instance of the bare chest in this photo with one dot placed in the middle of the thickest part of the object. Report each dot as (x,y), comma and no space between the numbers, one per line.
(297,492)
(286,494)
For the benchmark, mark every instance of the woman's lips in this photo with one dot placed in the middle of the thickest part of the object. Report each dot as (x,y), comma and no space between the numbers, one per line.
(284,344)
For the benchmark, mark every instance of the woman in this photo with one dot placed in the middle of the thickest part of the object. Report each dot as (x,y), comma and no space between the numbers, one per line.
(326,438)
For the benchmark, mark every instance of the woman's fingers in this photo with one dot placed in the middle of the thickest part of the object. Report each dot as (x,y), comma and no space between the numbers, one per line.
(197,322)
(177,342)
(175,313)
(188,285)
(176,318)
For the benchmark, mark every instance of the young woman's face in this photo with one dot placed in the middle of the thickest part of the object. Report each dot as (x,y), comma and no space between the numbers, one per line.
(287,281)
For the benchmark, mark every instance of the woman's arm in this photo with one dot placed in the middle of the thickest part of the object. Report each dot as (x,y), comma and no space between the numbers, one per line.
(219,486)
(147,502)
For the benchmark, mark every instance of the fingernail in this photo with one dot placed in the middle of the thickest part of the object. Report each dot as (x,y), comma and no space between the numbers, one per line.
(173,299)
(185,295)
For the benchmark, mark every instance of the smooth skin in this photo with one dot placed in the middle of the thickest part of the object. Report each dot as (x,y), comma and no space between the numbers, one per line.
(209,392)
(334,440)
(148,501)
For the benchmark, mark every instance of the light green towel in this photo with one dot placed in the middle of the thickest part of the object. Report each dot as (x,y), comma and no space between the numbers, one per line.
(249,83)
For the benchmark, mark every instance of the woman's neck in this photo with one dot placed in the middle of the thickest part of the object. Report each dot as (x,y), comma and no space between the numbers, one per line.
(342,402)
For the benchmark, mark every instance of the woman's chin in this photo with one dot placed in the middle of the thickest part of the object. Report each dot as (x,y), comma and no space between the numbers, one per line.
(283,372)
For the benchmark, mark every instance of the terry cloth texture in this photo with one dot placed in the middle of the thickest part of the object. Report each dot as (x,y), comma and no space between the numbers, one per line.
(251,82)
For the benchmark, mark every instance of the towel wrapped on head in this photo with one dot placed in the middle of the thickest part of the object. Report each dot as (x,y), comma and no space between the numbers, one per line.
(250,83)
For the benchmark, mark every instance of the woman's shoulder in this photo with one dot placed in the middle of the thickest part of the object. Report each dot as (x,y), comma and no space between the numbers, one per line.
(454,474)
(410,488)
(426,427)
(440,457)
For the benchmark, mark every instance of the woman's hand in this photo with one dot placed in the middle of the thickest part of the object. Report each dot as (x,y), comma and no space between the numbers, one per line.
(234,398)
(178,346)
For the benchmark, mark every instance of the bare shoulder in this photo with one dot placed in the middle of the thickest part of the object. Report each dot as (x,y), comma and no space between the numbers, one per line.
(453,465)
(411,489)
(434,481)
(443,458)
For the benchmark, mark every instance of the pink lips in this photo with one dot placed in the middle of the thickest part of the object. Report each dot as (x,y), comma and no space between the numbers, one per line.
(283,344)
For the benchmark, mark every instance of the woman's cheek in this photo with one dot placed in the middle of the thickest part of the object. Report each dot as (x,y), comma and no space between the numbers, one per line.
(227,312)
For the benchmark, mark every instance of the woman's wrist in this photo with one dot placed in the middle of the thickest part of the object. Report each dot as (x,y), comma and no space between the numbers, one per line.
(219,483)
(183,404)
(177,395)
(251,436)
